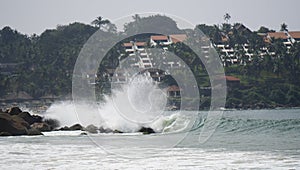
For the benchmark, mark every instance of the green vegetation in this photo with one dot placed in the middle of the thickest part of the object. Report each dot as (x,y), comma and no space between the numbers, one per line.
(43,64)
(271,80)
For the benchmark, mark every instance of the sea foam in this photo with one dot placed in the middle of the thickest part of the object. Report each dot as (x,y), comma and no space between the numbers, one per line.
(139,102)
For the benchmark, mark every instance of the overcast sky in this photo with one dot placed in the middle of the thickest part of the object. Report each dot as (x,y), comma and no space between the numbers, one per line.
(35,16)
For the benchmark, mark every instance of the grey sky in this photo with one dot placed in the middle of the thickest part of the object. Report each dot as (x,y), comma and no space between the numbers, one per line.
(34,16)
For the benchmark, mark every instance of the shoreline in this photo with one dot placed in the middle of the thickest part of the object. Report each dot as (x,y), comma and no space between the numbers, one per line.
(40,106)
(17,122)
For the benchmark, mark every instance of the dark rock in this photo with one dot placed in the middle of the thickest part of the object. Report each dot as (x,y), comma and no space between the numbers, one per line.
(14,111)
(5,134)
(21,121)
(65,128)
(27,117)
(117,131)
(91,129)
(43,127)
(30,119)
(105,130)
(53,123)
(38,119)
(146,130)
(76,127)
(34,131)
(12,125)
(83,134)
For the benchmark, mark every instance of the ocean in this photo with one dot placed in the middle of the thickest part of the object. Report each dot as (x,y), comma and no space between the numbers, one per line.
(243,139)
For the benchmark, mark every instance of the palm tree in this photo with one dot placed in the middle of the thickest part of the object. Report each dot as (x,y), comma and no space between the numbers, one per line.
(99,21)
(283,27)
(136,17)
(227,18)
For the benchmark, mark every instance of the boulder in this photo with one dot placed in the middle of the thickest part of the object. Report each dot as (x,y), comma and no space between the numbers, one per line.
(117,131)
(20,121)
(65,128)
(43,127)
(5,134)
(14,111)
(91,129)
(37,118)
(105,130)
(30,119)
(12,125)
(52,122)
(34,131)
(76,127)
(83,134)
(146,130)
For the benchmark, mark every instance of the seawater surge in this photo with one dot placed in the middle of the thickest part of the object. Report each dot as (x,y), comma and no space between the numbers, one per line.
(139,102)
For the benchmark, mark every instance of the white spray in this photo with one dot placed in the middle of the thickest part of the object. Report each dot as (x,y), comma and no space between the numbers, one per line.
(137,103)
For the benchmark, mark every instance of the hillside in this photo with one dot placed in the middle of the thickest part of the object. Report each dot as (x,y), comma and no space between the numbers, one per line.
(42,65)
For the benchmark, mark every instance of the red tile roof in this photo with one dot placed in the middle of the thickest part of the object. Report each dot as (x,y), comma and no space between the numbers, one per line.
(178,38)
(127,44)
(295,34)
(277,35)
(159,37)
(231,78)
(140,43)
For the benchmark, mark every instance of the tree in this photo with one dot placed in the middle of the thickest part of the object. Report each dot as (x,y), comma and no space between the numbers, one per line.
(226,28)
(280,51)
(263,29)
(136,17)
(99,22)
(213,32)
(227,17)
(283,27)
(157,23)
(110,27)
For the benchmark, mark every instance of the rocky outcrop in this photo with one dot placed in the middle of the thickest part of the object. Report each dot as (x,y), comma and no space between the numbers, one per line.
(91,129)
(30,119)
(146,130)
(5,134)
(105,130)
(65,128)
(117,131)
(73,127)
(33,131)
(12,125)
(15,122)
(83,134)
(76,127)
(14,111)
(53,123)
(42,127)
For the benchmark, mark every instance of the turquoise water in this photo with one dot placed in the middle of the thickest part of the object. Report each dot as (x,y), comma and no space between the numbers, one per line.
(256,130)
(251,139)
